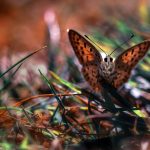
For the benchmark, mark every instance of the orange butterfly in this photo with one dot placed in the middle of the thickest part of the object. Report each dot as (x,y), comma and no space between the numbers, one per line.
(95,69)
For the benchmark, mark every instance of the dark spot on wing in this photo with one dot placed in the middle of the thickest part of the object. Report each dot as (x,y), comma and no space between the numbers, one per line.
(145,43)
(132,59)
(85,45)
(81,59)
(132,51)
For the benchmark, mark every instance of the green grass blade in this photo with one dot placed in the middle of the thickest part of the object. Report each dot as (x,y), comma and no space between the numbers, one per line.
(65,82)
(20,61)
(8,82)
(57,98)
(52,89)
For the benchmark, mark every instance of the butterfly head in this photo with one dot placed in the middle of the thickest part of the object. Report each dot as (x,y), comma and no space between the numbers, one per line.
(108,63)
(108,59)
(107,66)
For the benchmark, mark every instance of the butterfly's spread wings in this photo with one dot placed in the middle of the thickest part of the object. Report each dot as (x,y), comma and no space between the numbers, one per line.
(88,56)
(127,61)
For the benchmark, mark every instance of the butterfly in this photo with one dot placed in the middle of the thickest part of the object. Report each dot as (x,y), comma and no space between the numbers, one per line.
(95,69)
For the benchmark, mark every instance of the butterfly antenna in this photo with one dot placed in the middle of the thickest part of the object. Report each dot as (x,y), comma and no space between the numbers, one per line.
(132,35)
(95,43)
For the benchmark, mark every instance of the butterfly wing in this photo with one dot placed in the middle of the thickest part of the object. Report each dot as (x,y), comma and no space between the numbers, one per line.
(127,61)
(88,56)
(83,49)
(92,75)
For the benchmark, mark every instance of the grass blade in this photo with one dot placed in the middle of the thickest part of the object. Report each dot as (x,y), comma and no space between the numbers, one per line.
(20,61)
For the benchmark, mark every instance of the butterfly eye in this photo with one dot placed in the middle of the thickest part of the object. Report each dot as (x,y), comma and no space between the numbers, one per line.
(111,59)
(105,59)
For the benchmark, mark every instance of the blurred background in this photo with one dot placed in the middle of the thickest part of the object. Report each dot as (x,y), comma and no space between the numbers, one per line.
(25,24)
(28,25)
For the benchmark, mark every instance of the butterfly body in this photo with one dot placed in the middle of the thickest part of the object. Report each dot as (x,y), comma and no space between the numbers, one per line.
(95,68)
